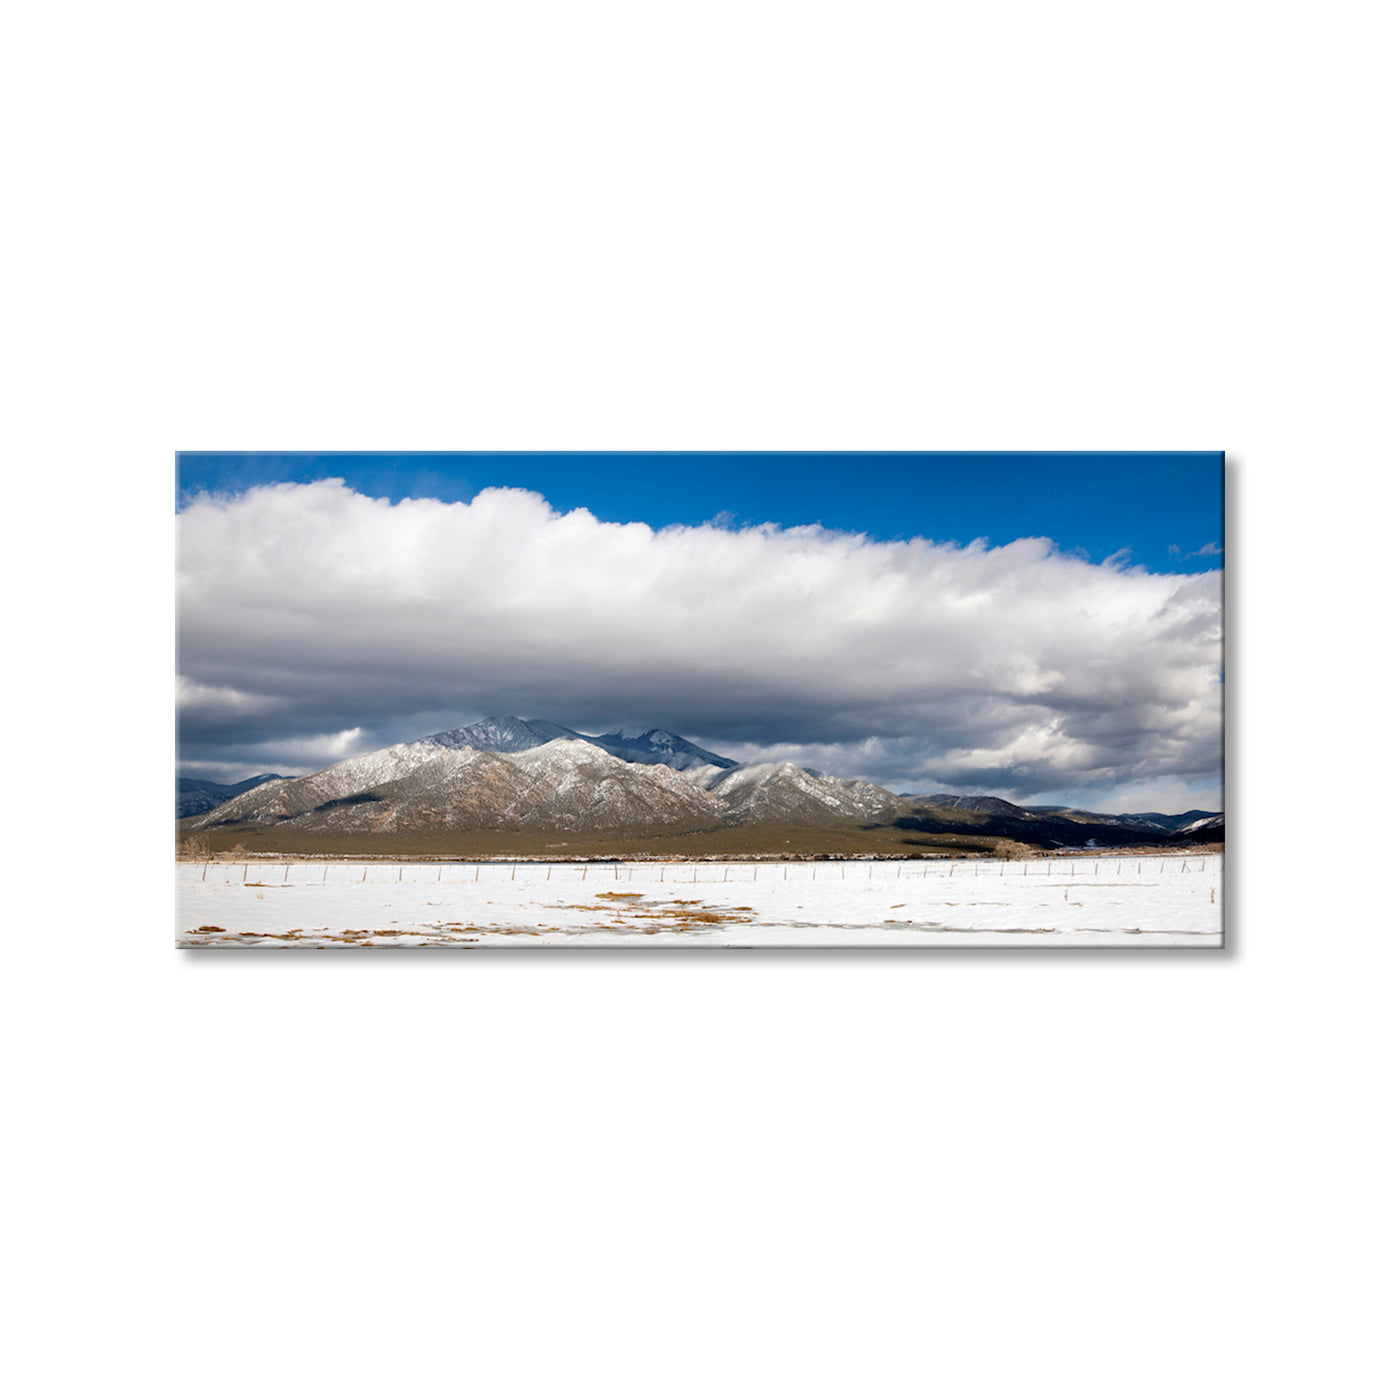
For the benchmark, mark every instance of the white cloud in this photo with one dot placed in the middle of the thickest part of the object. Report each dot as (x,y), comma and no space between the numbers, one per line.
(191,697)
(1017,668)
(314,751)
(292,756)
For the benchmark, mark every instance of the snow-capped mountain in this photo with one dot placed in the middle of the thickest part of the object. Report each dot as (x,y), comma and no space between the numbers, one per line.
(509,774)
(565,785)
(446,781)
(500,734)
(659,746)
(510,734)
(783,792)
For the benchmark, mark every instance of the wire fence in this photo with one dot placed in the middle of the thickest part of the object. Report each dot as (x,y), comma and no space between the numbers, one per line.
(1096,869)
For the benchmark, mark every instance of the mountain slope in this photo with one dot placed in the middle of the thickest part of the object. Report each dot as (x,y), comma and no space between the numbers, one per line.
(660,746)
(988,806)
(195,795)
(501,734)
(786,793)
(1049,827)
(565,785)
(511,734)
(541,777)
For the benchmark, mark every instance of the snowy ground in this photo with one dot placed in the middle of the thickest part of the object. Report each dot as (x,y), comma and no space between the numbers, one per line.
(1156,901)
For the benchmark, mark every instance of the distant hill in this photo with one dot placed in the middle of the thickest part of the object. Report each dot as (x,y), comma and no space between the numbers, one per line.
(988,806)
(1159,821)
(196,795)
(1058,827)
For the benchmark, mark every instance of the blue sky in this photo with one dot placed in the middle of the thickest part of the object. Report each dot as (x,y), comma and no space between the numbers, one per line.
(1163,508)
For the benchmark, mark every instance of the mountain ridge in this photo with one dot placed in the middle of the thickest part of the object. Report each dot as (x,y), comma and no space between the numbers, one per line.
(196,795)
(511,734)
(545,777)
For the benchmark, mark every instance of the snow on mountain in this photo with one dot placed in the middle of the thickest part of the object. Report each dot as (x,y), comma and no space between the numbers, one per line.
(505,773)
(659,746)
(291,797)
(500,734)
(704,775)
(511,734)
(196,795)
(785,792)
(566,785)
(582,787)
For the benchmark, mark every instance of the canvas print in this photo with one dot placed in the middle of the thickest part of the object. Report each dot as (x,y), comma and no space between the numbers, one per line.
(502,700)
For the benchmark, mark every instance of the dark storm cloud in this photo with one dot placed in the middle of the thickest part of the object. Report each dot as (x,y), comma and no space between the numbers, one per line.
(316,622)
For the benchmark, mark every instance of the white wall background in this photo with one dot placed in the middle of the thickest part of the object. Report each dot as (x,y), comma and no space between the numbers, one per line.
(740,225)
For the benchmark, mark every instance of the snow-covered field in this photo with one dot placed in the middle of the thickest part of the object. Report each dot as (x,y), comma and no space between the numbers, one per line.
(1085,900)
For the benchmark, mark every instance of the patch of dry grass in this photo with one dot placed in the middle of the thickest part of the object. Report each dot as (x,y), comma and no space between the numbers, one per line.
(763,841)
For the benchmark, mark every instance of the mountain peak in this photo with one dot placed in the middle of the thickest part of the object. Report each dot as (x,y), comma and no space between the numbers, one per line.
(511,734)
(660,746)
(507,774)
(494,734)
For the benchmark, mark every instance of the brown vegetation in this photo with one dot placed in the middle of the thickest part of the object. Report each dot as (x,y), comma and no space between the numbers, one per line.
(758,842)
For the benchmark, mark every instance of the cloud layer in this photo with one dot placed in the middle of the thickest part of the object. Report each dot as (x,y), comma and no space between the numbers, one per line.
(315,621)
